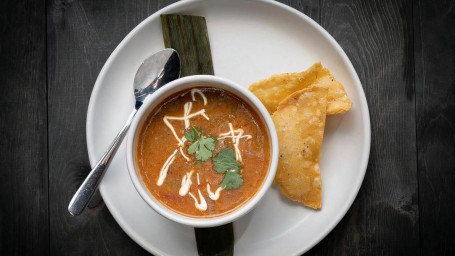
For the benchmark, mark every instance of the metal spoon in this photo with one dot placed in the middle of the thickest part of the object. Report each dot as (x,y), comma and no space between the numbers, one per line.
(156,71)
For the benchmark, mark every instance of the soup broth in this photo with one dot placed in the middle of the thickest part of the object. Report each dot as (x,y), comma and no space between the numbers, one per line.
(203,152)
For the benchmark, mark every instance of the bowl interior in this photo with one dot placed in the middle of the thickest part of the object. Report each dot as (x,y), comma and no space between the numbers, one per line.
(155,100)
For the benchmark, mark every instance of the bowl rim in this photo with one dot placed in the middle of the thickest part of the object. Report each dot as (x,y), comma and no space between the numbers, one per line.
(191,82)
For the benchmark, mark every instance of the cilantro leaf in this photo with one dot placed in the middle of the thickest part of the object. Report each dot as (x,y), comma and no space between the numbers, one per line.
(210,143)
(225,161)
(193,134)
(202,148)
(193,147)
(231,180)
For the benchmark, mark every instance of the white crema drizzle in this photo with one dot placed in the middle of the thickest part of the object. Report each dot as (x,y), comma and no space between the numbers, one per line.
(202,205)
(184,118)
(186,179)
(186,112)
(165,168)
(216,195)
(194,91)
(183,139)
(186,183)
(236,135)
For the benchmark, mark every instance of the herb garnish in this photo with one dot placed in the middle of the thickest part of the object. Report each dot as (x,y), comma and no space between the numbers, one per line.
(201,146)
(193,134)
(231,180)
(225,160)
(226,163)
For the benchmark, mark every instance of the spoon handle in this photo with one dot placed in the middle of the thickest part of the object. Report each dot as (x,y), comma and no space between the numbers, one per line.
(89,186)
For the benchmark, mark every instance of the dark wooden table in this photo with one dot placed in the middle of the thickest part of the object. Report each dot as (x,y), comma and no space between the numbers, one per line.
(403,51)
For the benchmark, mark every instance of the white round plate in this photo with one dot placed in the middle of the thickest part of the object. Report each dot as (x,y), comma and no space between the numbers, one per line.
(250,40)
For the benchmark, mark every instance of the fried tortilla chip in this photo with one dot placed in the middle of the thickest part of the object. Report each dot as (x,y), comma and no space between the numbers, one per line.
(300,121)
(273,90)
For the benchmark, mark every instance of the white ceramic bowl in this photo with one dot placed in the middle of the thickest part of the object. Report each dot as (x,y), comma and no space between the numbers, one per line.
(174,87)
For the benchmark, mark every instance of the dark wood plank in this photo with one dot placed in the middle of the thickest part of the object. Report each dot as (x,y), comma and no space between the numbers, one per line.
(81,36)
(24,218)
(435,98)
(377,36)
(308,7)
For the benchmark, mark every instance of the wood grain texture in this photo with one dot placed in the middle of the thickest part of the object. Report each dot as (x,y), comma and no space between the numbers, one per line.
(308,7)
(81,36)
(435,98)
(23,129)
(377,36)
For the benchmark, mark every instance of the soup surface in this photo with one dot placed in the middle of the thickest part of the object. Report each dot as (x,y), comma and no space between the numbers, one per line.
(203,152)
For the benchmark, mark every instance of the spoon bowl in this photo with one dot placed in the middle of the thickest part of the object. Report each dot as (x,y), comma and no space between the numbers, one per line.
(156,71)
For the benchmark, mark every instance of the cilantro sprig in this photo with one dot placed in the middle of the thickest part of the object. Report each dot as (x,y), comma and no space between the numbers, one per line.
(202,146)
(226,163)
(193,134)
(231,180)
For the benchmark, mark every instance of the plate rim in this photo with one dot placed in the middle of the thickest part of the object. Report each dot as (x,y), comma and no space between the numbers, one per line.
(358,86)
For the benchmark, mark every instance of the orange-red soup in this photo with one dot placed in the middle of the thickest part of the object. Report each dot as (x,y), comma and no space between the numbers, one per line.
(157,143)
